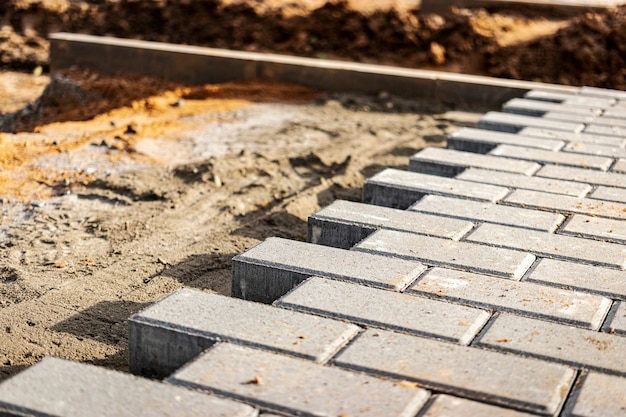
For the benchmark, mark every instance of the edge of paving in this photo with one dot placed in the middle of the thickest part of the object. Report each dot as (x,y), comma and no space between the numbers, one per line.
(200,65)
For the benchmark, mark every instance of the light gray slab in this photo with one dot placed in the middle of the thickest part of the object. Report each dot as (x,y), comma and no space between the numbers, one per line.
(523,298)
(489,212)
(294,386)
(482,141)
(400,189)
(609,194)
(272,268)
(581,348)
(560,158)
(600,129)
(477,374)
(568,117)
(449,162)
(171,332)
(611,179)
(573,137)
(449,406)
(513,123)
(589,278)
(563,203)
(569,99)
(596,227)
(343,224)
(443,252)
(620,167)
(551,245)
(60,388)
(538,108)
(386,309)
(593,149)
(598,395)
(617,112)
(548,185)
(616,320)
(605,93)
(610,121)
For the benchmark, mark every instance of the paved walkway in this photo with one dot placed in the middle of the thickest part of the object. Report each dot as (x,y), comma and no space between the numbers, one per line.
(487,280)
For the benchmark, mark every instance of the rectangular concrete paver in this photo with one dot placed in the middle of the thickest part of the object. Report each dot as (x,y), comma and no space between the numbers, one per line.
(611,179)
(620,167)
(297,387)
(596,227)
(513,123)
(57,387)
(610,121)
(400,189)
(524,298)
(573,137)
(482,141)
(617,111)
(272,268)
(489,212)
(567,117)
(469,372)
(609,194)
(581,348)
(600,129)
(524,182)
(559,158)
(593,149)
(570,99)
(608,282)
(448,406)
(343,224)
(538,108)
(551,245)
(443,252)
(598,395)
(449,162)
(386,309)
(604,93)
(173,331)
(616,320)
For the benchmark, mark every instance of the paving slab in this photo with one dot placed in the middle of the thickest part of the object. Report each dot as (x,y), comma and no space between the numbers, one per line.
(523,298)
(620,167)
(610,121)
(550,157)
(604,93)
(513,123)
(593,149)
(488,212)
(569,98)
(524,182)
(563,203)
(587,278)
(272,268)
(616,319)
(482,141)
(595,227)
(343,224)
(448,253)
(469,372)
(61,388)
(568,117)
(609,194)
(175,330)
(581,348)
(551,245)
(607,130)
(449,162)
(617,112)
(400,189)
(597,395)
(448,406)
(611,179)
(573,137)
(538,108)
(294,386)
(387,309)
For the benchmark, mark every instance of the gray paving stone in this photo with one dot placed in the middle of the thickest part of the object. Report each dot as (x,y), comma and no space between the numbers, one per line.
(616,319)
(568,117)
(524,298)
(595,227)
(387,309)
(548,185)
(601,129)
(538,108)
(168,334)
(57,387)
(477,374)
(443,252)
(570,99)
(610,121)
(609,194)
(604,93)
(482,141)
(488,212)
(551,245)
(272,268)
(343,224)
(513,123)
(611,179)
(589,278)
(294,386)
(620,167)
(400,189)
(581,348)
(449,162)
(598,395)
(617,112)
(550,157)
(573,137)
(563,203)
(599,150)
(449,406)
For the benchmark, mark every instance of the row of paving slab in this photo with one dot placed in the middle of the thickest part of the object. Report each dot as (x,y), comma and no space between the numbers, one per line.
(486,280)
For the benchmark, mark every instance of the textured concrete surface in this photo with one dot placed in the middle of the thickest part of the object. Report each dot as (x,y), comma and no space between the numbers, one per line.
(513,123)
(572,137)
(598,395)
(482,141)
(556,158)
